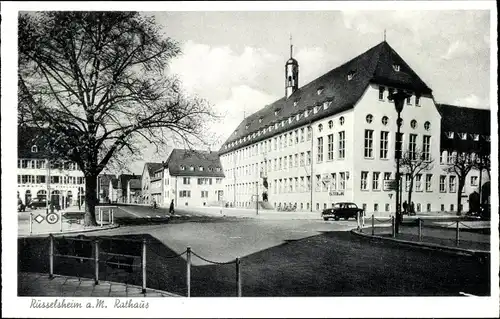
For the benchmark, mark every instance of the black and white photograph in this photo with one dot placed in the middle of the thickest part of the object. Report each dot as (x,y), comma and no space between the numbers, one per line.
(250,159)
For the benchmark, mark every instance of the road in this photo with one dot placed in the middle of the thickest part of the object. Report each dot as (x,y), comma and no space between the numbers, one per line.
(283,258)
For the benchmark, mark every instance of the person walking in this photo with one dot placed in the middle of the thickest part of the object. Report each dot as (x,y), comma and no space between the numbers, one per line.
(412,208)
(405,207)
(171,207)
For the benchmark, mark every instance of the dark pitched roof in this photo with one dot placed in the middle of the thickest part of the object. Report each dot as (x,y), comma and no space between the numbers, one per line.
(464,119)
(124,178)
(135,184)
(114,182)
(27,137)
(190,158)
(153,167)
(374,65)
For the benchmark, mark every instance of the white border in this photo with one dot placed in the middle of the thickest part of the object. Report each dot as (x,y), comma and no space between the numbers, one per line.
(224,307)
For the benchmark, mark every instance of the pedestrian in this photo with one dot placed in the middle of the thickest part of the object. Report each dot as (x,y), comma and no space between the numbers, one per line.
(405,207)
(172,207)
(412,208)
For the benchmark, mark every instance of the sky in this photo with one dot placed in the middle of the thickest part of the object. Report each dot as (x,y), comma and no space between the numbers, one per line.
(235,60)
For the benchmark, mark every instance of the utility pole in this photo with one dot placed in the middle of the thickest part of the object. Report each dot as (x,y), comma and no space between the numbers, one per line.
(48,197)
(312,161)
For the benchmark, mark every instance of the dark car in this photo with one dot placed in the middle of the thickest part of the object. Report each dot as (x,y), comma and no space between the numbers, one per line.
(343,210)
(37,203)
(20,206)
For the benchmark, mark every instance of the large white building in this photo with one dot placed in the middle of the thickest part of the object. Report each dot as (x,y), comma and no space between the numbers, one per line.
(334,138)
(36,178)
(190,178)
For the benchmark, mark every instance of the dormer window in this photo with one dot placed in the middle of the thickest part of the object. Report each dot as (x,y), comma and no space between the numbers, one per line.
(417,100)
(210,169)
(427,125)
(306,113)
(260,120)
(282,123)
(320,127)
(350,75)
(320,90)
(276,112)
(34,149)
(246,126)
(450,135)
(200,168)
(289,120)
(381,90)
(295,103)
(297,117)
(475,137)
(183,168)
(191,168)
(341,120)
(396,67)
(330,124)
(463,136)
(487,138)
(315,109)
(218,169)
(275,126)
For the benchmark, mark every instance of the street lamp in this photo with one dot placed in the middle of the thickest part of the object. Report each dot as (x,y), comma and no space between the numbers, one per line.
(399,99)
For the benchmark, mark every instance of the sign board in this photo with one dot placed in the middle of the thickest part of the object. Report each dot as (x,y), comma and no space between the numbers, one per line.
(336,193)
(390,184)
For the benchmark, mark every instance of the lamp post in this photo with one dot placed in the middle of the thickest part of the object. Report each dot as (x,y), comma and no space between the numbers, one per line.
(399,99)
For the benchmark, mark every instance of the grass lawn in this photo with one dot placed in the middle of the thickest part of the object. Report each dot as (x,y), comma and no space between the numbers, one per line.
(330,264)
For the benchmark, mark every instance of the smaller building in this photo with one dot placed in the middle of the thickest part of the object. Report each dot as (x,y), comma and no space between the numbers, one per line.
(191,178)
(133,191)
(146,179)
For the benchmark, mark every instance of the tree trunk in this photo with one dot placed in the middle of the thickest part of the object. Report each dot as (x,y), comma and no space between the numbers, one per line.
(410,190)
(90,200)
(461,184)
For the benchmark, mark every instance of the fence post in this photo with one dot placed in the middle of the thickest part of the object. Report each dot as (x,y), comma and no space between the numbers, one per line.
(373,224)
(96,261)
(358,220)
(60,221)
(144,265)
(458,234)
(238,276)
(31,223)
(188,271)
(101,213)
(51,257)
(393,226)
(110,212)
(420,222)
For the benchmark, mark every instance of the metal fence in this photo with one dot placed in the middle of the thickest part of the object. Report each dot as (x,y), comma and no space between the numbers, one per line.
(103,255)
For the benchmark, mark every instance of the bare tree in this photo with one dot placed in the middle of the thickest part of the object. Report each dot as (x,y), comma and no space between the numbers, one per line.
(460,165)
(97,83)
(413,163)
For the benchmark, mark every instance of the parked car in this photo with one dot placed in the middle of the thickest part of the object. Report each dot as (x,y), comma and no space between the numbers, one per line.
(20,206)
(37,203)
(343,210)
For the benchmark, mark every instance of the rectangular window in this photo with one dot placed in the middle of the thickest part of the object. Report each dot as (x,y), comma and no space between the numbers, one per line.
(330,147)
(387,207)
(453,185)
(318,183)
(412,148)
(407,182)
(290,161)
(418,182)
(204,194)
(341,144)
(302,159)
(302,186)
(473,181)
(186,180)
(342,181)
(428,182)
(308,183)
(302,135)
(449,157)
(296,184)
(417,100)
(442,184)
(364,181)
(275,143)
(381,90)
(320,150)
(426,147)
(375,181)
(334,181)
(296,135)
(290,185)
(309,133)
(368,143)
(24,164)
(375,207)
(296,160)
(290,141)
(384,144)
(54,180)
(280,163)
(308,158)
(280,144)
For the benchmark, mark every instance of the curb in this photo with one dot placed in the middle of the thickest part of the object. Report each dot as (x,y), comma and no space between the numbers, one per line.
(70,232)
(423,245)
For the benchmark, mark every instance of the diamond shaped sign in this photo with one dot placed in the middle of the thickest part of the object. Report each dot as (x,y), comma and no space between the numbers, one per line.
(39,218)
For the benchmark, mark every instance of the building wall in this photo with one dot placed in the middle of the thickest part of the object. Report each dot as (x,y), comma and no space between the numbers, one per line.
(145,184)
(242,166)
(175,188)
(70,181)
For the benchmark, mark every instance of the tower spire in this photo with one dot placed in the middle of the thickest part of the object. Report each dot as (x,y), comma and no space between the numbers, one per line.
(291,46)
(384,36)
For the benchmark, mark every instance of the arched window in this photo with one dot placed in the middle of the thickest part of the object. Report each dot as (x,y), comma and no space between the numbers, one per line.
(385,120)
(427,125)
(330,124)
(34,149)
(341,120)
(369,118)
(413,124)
(320,127)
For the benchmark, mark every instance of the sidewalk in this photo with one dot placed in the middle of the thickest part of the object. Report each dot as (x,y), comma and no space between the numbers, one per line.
(36,284)
(40,225)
